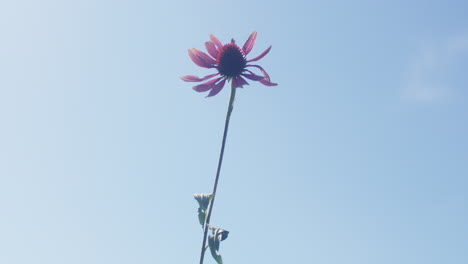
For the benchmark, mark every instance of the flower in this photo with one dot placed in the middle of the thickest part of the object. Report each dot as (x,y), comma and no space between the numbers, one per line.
(230,61)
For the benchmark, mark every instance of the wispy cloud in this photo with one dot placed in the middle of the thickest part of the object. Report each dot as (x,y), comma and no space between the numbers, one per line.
(430,70)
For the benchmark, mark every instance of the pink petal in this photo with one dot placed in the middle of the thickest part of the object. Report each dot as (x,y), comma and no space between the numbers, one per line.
(211,48)
(265,81)
(217,88)
(253,77)
(193,78)
(265,74)
(201,59)
(216,41)
(206,86)
(238,82)
(249,43)
(261,55)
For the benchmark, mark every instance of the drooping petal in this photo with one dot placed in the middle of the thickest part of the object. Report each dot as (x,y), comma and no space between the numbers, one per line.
(238,82)
(265,81)
(217,88)
(249,43)
(265,52)
(206,86)
(265,74)
(216,42)
(201,59)
(193,78)
(211,48)
(253,77)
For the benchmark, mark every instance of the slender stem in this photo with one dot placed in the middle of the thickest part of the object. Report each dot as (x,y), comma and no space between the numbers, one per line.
(221,154)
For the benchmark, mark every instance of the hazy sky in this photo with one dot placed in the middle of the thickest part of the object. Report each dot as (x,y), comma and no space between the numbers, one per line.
(359,156)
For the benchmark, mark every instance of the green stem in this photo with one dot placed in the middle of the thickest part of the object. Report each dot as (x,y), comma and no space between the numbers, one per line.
(221,154)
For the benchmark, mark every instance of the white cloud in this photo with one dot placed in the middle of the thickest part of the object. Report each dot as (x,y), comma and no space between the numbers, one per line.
(430,72)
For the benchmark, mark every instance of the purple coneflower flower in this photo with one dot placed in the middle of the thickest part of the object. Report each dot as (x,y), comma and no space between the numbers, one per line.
(230,61)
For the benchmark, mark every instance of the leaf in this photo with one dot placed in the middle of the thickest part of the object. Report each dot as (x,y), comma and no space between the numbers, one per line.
(201,216)
(203,200)
(214,242)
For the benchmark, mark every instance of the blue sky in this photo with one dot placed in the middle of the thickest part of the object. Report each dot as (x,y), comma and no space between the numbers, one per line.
(358,156)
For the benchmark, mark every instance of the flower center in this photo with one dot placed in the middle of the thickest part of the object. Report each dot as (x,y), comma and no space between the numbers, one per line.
(231,61)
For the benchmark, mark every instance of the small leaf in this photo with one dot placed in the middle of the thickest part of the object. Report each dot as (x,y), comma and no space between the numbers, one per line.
(223,234)
(214,241)
(201,216)
(203,200)
(214,253)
